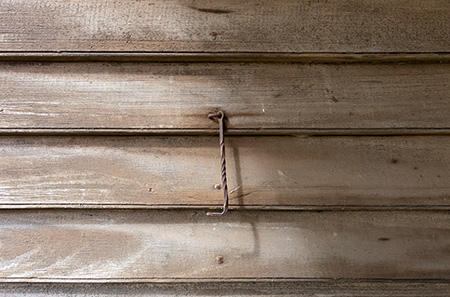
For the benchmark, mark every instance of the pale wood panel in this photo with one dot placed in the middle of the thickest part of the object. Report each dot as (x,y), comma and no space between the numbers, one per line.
(170,97)
(123,246)
(286,172)
(211,26)
(250,289)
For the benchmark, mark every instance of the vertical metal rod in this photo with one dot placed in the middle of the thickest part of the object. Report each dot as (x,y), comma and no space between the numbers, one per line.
(221,117)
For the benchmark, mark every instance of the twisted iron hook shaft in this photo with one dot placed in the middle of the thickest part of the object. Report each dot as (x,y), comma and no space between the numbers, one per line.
(221,117)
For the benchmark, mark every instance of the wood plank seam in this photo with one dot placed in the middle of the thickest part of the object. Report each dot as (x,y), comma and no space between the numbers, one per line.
(44,131)
(225,57)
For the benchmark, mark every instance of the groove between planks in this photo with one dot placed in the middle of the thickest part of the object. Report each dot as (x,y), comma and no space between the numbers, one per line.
(286,289)
(209,132)
(199,57)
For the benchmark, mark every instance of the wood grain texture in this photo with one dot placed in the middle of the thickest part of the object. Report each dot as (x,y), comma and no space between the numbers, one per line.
(260,97)
(152,246)
(250,289)
(273,172)
(228,26)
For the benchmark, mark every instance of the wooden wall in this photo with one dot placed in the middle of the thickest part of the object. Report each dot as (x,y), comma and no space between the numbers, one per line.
(337,145)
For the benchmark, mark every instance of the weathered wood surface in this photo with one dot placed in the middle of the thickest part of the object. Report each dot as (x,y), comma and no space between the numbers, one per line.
(230,26)
(146,246)
(286,172)
(250,289)
(259,97)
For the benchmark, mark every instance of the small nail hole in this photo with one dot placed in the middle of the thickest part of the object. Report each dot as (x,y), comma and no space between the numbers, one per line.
(219,259)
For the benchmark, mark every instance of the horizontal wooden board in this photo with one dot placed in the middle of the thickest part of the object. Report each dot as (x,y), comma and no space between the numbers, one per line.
(151,246)
(285,172)
(260,97)
(226,26)
(250,289)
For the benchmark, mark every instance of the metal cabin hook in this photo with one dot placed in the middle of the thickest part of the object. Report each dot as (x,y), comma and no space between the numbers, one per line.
(220,115)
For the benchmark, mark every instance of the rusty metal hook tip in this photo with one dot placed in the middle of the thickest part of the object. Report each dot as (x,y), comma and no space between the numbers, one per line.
(221,116)
(217,214)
